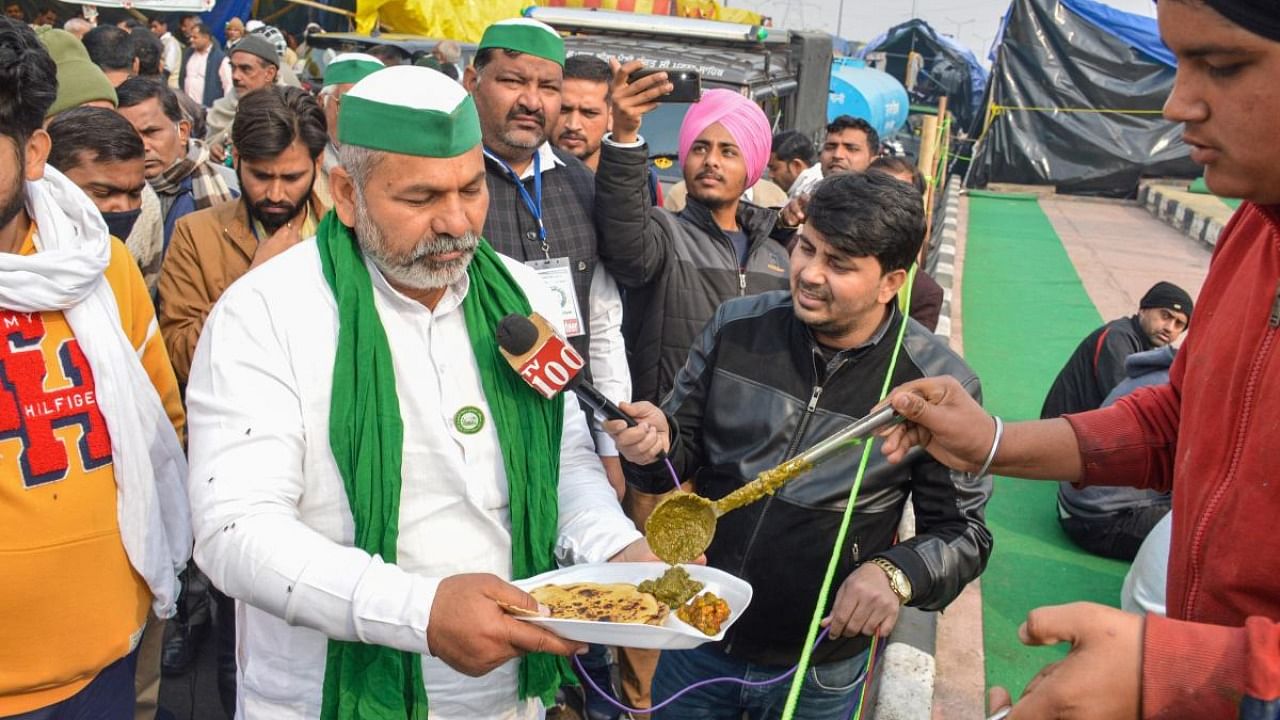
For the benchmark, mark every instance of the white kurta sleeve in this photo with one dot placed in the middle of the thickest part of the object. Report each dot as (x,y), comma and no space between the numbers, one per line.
(608,352)
(593,527)
(248,453)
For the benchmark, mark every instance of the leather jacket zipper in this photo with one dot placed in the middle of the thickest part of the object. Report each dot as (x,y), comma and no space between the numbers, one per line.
(742,281)
(795,442)
(804,422)
(832,368)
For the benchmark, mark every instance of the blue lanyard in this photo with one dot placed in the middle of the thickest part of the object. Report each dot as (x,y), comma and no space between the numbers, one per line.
(532,204)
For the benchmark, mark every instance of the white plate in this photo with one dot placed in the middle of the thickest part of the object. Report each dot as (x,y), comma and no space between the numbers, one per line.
(674,634)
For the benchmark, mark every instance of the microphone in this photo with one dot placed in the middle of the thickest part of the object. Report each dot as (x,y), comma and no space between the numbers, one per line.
(549,364)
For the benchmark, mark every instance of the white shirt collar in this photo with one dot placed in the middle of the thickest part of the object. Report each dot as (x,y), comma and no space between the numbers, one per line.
(450,301)
(547,158)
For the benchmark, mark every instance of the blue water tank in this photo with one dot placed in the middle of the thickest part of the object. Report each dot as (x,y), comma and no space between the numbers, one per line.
(867,93)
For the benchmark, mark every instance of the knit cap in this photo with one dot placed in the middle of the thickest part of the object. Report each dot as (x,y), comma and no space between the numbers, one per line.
(259,47)
(79,80)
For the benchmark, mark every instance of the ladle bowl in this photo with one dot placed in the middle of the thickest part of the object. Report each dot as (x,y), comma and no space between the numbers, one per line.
(681,527)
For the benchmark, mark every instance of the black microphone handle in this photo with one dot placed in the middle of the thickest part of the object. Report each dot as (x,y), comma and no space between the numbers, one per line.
(598,402)
(601,404)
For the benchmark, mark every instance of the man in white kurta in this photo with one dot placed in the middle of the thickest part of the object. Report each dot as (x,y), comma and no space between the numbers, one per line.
(272,520)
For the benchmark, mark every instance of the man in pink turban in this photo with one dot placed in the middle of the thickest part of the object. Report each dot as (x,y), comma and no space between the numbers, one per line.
(678,267)
(739,118)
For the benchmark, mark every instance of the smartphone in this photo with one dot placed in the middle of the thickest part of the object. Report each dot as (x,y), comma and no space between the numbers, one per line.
(687,84)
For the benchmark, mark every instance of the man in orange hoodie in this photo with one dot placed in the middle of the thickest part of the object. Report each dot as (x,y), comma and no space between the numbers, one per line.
(94,522)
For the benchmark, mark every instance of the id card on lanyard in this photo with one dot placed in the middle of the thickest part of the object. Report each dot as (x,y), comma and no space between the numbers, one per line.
(555,272)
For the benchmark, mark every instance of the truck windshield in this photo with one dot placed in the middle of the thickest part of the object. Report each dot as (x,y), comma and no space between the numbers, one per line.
(661,130)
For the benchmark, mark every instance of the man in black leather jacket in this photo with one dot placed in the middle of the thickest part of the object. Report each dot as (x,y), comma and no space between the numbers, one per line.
(772,375)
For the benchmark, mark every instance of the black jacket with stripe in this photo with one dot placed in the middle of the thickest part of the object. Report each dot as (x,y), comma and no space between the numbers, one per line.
(1095,368)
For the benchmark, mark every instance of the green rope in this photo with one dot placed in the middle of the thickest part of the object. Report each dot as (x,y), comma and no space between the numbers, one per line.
(806,655)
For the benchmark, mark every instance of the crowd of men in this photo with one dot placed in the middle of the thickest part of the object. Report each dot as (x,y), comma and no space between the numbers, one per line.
(531,151)
(272,356)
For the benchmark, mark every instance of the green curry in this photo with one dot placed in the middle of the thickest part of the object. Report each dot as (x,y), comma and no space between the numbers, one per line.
(673,588)
(680,528)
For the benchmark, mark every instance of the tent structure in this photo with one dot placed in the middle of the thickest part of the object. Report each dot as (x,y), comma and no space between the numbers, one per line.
(945,68)
(1075,102)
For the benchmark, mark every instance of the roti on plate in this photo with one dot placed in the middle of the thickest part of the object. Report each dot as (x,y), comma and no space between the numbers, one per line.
(615,602)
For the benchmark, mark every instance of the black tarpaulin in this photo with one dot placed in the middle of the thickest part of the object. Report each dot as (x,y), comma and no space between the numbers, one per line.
(1074,104)
(949,69)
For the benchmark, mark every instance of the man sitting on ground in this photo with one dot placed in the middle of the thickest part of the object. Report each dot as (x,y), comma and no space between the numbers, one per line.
(1114,521)
(1097,365)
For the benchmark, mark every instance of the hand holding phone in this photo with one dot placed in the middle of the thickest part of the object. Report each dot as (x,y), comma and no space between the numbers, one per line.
(686,84)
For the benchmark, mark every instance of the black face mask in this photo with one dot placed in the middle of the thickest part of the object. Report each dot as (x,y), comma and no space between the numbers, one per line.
(120,224)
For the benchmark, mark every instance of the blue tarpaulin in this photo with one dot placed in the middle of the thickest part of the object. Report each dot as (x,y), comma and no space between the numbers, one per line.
(1141,33)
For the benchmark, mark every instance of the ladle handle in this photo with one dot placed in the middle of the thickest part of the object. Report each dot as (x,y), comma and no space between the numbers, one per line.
(768,482)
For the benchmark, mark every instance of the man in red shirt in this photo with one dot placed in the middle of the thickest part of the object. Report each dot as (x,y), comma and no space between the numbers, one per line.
(1212,435)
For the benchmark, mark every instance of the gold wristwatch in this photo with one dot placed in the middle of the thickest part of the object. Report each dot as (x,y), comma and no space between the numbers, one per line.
(898,581)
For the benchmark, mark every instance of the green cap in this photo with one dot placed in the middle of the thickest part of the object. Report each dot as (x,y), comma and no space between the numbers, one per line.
(350,68)
(409,110)
(79,80)
(527,36)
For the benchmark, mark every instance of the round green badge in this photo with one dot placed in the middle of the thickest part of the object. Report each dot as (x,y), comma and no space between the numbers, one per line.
(469,420)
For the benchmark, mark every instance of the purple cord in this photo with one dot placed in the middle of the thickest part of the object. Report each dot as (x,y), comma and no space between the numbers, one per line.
(674,477)
(701,683)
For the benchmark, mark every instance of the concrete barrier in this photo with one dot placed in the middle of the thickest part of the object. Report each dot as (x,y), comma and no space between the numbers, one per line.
(903,689)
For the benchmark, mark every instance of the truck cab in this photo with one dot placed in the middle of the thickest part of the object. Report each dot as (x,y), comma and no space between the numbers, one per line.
(787,73)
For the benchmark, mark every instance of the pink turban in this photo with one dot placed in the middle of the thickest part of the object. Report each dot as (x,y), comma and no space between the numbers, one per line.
(744,120)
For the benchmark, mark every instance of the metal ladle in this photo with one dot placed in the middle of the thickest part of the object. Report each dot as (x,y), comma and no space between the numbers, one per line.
(682,525)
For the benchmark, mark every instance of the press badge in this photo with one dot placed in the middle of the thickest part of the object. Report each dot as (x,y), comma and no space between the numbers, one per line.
(557,275)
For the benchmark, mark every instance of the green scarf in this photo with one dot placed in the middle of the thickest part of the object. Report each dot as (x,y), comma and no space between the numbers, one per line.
(366,432)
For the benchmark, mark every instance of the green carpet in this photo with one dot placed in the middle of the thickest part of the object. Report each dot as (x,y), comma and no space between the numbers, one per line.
(1025,311)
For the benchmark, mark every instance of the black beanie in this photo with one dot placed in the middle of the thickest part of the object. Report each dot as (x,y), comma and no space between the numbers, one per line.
(1167,295)
(1261,17)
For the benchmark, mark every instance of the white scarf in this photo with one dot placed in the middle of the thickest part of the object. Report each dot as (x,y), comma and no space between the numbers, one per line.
(66,273)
